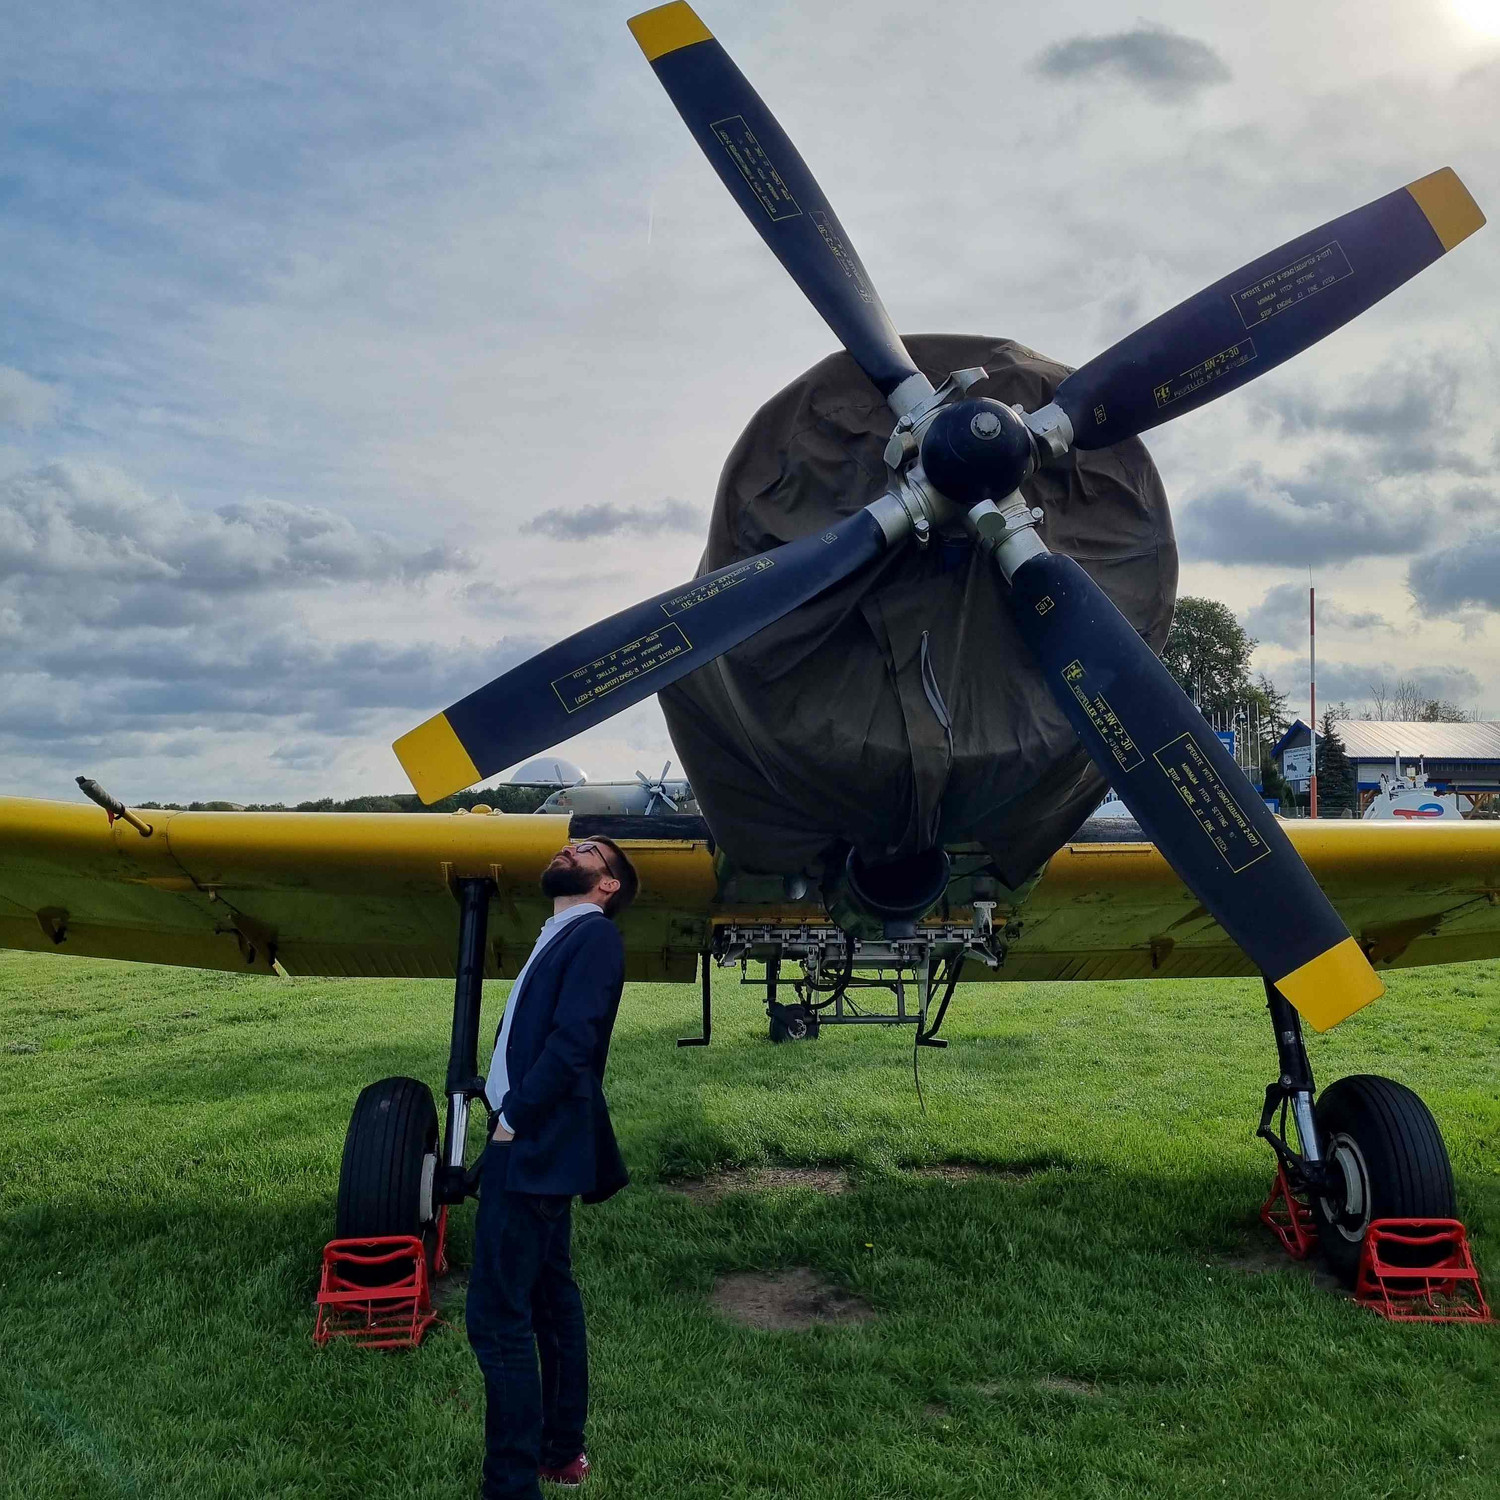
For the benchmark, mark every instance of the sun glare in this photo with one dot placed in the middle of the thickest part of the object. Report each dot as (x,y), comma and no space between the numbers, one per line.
(1482,15)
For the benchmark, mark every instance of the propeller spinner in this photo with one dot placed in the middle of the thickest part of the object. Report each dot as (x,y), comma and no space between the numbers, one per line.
(952,458)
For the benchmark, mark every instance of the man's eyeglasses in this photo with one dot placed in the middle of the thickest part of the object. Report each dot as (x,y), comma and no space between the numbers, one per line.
(589,847)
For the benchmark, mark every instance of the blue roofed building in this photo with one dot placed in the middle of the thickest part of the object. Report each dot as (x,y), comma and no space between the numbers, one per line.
(1456,757)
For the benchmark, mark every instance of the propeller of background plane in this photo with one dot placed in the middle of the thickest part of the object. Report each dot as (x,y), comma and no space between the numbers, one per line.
(953,457)
(656,791)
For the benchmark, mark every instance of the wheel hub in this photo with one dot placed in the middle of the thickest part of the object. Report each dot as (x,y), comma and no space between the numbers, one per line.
(426,1204)
(1349,1213)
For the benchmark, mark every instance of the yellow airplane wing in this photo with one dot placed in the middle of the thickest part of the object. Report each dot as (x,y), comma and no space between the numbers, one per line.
(354,894)
(1410,895)
(371,894)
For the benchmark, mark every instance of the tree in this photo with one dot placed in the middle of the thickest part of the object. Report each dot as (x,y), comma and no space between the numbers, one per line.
(1338,790)
(1407,702)
(1441,711)
(1274,785)
(1208,653)
(1275,715)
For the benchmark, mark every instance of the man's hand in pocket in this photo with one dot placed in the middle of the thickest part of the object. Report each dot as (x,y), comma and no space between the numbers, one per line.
(502,1134)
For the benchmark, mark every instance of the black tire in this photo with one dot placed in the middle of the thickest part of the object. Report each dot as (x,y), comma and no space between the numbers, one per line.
(792,1023)
(1389,1156)
(392,1132)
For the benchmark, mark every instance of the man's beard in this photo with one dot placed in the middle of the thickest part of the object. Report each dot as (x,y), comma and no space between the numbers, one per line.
(568,880)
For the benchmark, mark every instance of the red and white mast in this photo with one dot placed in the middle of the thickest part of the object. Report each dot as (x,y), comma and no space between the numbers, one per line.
(1312,697)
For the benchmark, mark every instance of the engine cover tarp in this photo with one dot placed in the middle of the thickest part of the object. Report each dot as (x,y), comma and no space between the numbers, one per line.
(829,725)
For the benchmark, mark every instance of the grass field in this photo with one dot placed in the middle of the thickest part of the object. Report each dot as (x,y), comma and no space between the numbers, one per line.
(1102,1321)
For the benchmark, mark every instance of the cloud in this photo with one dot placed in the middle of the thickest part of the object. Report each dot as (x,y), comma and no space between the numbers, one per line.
(1165,65)
(1351,683)
(1326,514)
(1467,573)
(585,522)
(75,521)
(1281,617)
(133,619)
(1405,418)
(163,694)
(25,402)
(1473,499)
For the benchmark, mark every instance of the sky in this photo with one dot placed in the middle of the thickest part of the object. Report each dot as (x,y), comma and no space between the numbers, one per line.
(352,352)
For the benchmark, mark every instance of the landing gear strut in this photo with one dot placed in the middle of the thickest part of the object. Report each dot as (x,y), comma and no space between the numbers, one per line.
(1368,1149)
(396,1175)
(463,1082)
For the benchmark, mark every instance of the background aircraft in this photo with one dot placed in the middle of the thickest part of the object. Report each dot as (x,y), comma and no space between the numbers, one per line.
(571,790)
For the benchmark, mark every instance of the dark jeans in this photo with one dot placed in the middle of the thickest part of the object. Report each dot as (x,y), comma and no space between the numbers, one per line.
(524,1304)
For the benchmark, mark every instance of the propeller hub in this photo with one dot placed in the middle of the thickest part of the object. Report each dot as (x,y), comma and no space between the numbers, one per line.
(977,450)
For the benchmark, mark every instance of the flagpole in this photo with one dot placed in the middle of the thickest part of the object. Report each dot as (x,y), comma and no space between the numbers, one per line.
(1312,696)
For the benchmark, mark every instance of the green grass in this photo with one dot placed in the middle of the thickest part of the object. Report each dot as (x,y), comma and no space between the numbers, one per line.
(169,1157)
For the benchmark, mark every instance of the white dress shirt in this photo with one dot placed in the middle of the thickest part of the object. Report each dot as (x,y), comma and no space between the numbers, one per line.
(498,1082)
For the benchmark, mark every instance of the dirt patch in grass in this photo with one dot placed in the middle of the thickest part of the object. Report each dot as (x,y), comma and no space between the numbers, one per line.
(830,1180)
(1255,1258)
(450,1291)
(795,1298)
(970,1171)
(1063,1385)
(1067,1386)
(1258,1255)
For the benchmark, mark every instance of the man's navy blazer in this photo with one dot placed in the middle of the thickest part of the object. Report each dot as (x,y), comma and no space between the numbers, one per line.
(554,1062)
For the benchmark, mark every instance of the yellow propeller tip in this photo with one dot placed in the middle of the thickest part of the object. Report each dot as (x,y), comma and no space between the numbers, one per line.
(1450,209)
(435,761)
(668,28)
(1331,987)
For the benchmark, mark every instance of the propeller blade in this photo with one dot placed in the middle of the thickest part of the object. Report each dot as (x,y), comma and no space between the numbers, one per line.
(596,673)
(1186,791)
(772,184)
(1265,312)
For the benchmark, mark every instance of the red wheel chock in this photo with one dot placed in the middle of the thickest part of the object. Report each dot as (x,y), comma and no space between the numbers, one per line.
(1443,1288)
(392,1313)
(1288,1217)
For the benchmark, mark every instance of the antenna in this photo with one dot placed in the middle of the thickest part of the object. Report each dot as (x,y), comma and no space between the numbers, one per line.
(1312,693)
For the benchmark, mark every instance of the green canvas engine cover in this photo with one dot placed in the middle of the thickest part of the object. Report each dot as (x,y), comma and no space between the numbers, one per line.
(829,726)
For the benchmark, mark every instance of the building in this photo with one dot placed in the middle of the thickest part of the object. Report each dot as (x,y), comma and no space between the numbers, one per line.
(1456,757)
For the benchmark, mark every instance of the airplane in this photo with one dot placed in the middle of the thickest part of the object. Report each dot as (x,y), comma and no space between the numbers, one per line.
(572,791)
(1205,882)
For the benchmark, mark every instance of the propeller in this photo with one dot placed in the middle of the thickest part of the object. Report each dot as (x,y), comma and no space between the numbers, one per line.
(954,457)
(656,791)
(597,672)
(1261,315)
(779,195)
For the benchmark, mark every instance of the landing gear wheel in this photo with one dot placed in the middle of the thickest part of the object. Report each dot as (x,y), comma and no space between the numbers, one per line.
(792,1023)
(390,1164)
(1388,1161)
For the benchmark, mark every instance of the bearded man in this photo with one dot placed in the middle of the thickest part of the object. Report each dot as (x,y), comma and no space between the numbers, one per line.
(551,1140)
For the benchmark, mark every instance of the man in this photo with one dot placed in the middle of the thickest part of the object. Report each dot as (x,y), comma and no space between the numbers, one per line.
(551,1139)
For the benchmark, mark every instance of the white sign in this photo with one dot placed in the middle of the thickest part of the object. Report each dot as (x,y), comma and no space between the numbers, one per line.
(1296,765)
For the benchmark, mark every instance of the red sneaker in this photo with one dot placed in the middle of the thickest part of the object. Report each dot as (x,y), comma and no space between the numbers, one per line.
(570,1476)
